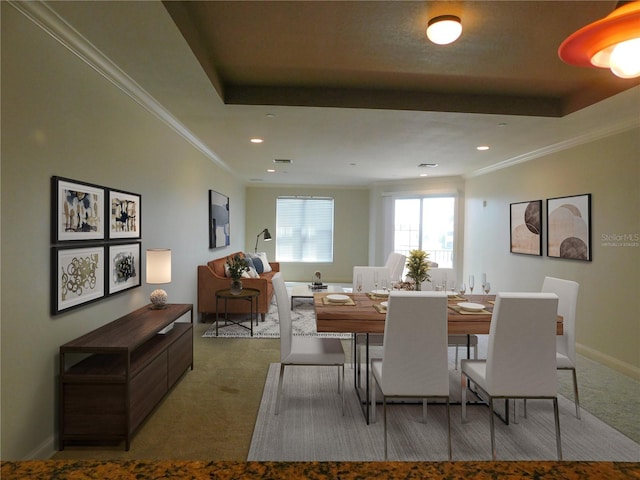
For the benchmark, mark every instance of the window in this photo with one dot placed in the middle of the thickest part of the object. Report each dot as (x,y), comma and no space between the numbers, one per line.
(426,223)
(304,229)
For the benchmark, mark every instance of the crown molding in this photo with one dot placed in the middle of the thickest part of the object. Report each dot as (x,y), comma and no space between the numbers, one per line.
(57,27)
(607,131)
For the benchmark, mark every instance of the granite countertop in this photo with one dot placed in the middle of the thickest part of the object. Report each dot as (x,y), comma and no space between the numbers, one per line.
(196,470)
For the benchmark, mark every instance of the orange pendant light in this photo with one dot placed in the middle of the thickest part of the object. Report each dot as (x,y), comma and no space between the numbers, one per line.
(613,42)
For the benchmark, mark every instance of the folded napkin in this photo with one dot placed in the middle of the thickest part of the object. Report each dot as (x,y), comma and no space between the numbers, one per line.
(380,308)
(373,296)
(325,301)
(458,309)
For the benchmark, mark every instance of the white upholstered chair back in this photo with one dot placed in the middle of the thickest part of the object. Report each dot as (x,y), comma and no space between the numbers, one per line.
(415,360)
(395,263)
(284,315)
(521,356)
(567,292)
(368,283)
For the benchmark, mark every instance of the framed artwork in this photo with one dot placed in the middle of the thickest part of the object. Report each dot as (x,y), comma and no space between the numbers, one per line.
(123,267)
(77,210)
(218,220)
(78,276)
(569,227)
(124,215)
(526,227)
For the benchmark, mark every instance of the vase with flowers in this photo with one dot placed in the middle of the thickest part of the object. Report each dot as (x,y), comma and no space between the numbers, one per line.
(418,267)
(237,266)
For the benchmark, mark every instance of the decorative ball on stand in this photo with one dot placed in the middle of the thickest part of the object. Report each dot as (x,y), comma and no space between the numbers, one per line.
(158,298)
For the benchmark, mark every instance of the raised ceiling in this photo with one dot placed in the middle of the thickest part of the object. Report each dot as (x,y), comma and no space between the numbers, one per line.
(374,54)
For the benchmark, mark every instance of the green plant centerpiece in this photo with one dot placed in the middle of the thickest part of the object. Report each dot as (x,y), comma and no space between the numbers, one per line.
(418,267)
(237,266)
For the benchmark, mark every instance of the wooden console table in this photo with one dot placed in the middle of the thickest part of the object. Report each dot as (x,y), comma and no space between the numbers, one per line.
(113,377)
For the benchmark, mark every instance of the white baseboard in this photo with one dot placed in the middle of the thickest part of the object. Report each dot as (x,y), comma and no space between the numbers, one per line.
(622,367)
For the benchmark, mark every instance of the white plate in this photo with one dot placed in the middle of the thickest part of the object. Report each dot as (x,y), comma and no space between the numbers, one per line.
(471,307)
(384,304)
(380,293)
(452,294)
(335,298)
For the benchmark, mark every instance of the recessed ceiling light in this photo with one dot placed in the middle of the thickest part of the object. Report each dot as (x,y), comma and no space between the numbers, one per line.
(423,175)
(482,147)
(271,170)
(257,140)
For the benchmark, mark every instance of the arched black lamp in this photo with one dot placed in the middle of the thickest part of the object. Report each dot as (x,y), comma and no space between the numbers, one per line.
(267,237)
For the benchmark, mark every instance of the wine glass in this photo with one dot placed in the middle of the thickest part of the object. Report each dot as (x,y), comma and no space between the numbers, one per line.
(483,278)
(359,282)
(472,283)
(384,285)
(375,279)
(487,289)
(462,289)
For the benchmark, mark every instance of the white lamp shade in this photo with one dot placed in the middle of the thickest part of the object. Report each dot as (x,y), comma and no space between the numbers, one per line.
(159,265)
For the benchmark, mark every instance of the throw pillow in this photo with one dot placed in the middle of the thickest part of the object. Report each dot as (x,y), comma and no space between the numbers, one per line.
(265,263)
(257,264)
(253,273)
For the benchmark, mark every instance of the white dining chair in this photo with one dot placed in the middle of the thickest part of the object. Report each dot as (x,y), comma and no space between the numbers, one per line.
(414,353)
(458,341)
(303,351)
(365,276)
(567,292)
(520,356)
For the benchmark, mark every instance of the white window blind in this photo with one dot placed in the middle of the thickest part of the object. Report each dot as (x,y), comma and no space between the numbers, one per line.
(304,229)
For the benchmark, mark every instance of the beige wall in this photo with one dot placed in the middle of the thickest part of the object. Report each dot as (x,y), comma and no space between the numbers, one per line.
(351,229)
(608,313)
(60,117)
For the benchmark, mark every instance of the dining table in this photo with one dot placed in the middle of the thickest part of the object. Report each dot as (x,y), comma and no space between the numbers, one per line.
(365,313)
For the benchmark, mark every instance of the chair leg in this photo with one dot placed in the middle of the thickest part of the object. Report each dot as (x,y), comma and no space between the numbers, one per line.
(424,410)
(515,410)
(372,397)
(384,415)
(343,387)
(575,393)
(463,398)
(456,361)
(557,419)
(279,388)
(449,427)
(493,431)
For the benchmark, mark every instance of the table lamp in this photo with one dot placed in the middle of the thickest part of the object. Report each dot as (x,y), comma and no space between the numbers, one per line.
(158,272)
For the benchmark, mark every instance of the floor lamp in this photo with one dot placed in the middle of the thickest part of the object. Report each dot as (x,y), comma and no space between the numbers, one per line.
(267,237)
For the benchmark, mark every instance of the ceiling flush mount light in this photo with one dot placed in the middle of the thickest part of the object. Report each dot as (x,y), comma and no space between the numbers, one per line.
(444,29)
(256,140)
(482,147)
(613,42)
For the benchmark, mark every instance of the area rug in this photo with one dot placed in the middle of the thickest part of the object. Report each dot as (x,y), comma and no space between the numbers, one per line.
(302,316)
(310,427)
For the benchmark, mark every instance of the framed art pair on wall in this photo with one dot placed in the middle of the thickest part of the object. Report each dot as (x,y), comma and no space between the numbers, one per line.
(95,232)
(568,227)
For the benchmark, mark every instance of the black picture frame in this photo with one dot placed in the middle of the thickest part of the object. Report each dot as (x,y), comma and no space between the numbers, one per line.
(123,267)
(125,215)
(77,210)
(77,276)
(219,232)
(525,231)
(569,227)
